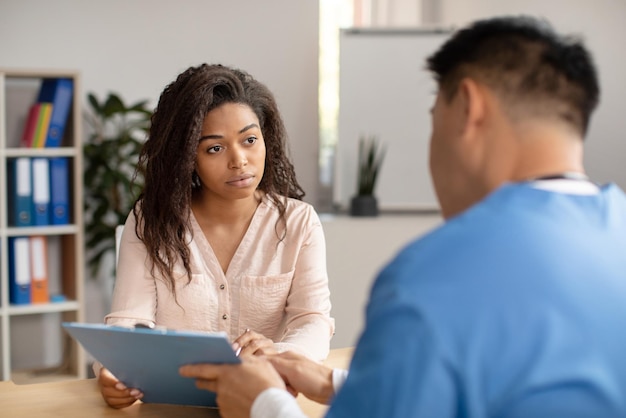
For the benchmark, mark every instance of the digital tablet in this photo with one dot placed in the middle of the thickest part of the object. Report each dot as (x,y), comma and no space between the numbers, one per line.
(149,359)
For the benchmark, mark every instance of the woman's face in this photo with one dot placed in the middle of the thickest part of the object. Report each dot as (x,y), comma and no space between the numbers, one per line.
(230,160)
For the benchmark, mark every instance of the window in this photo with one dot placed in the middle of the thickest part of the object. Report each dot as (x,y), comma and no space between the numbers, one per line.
(334,14)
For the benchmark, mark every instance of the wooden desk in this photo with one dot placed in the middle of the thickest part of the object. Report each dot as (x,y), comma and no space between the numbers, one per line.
(81,398)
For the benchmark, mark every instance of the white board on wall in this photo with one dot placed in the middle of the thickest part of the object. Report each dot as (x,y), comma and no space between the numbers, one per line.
(385,90)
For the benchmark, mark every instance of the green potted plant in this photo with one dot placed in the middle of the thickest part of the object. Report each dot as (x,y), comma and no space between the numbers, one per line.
(371,155)
(110,157)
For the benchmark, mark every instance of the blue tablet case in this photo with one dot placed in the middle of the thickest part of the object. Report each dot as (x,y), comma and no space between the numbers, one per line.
(149,359)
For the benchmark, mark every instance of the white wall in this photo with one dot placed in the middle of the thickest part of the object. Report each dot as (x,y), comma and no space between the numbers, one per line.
(602,24)
(357,248)
(136,47)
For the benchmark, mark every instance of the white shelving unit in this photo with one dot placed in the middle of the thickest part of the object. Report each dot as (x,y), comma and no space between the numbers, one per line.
(34,330)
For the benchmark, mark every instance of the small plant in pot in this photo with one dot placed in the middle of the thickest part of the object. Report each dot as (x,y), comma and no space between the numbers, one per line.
(371,155)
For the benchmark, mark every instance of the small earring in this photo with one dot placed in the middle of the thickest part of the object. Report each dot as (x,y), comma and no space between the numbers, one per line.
(195,180)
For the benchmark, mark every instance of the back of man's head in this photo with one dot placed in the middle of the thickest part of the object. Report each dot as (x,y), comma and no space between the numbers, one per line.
(534,71)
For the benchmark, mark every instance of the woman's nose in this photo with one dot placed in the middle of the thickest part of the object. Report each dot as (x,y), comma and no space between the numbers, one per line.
(238,159)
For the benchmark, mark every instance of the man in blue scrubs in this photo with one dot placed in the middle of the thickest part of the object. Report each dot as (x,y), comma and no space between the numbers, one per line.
(516,306)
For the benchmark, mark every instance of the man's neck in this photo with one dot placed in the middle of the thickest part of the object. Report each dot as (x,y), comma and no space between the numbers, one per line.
(547,151)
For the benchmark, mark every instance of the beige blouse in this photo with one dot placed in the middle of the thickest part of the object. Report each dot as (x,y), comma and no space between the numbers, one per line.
(277,288)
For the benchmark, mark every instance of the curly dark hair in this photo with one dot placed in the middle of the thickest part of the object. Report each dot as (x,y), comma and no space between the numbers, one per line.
(167,159)
(532,68)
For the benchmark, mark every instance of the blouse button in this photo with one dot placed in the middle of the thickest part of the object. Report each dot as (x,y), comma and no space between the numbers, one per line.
(222,286)
(224,316)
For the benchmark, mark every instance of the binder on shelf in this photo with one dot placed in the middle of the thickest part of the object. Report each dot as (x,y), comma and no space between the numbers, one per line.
(59,191)
(43,124)
(39,270)
(19,191)
(59,92)
(19,271)
(41,191)
(30,126)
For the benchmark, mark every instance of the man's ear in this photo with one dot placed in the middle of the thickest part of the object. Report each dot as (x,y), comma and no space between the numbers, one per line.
(474,138)
(474,104)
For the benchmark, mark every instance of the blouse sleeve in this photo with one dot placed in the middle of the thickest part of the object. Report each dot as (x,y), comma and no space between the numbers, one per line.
(309,327)
(134,294)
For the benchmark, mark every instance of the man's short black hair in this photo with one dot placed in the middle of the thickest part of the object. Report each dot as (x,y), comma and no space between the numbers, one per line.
(531,68)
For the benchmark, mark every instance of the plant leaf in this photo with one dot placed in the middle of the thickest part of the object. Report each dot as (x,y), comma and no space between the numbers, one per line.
(370,158)
(110,160)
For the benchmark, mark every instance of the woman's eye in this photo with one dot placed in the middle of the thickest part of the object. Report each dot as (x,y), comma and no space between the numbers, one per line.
(214,149)
(250,140)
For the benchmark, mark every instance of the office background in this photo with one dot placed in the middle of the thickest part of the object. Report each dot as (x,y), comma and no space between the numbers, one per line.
(136,47)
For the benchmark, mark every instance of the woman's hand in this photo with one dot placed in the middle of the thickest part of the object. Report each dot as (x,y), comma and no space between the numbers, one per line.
(253,343)
(114,392)
(303,375)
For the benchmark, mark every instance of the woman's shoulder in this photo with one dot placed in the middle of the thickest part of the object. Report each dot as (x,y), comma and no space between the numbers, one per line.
(294,208)
(133,215)
(289,202)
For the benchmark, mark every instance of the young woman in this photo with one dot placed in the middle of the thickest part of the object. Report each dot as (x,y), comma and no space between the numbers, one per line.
(219,239)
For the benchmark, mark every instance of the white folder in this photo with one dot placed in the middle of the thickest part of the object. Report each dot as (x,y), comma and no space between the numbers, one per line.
(41,191)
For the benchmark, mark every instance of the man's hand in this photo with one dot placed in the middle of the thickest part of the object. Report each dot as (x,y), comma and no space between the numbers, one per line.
(313,380)
(236,385)
(114,392)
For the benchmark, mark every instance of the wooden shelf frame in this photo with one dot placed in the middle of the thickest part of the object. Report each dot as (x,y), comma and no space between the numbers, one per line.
(69,237)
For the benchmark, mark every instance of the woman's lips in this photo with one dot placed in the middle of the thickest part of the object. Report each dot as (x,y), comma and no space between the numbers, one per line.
(244,180)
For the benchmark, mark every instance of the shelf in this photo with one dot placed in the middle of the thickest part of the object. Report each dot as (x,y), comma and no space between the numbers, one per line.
(39,308)
(29,377)
(40,152)
(30,73)
(33,346)
(14,231)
